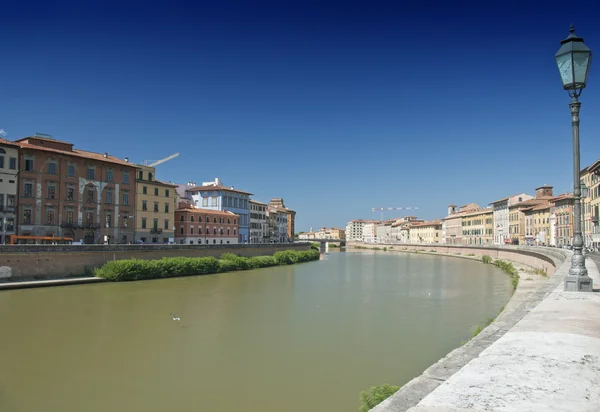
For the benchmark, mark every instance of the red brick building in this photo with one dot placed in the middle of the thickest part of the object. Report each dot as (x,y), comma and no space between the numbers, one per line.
(74,193)
(204,226)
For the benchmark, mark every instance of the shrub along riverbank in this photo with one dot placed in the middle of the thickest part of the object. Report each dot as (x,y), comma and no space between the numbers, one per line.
(138,269)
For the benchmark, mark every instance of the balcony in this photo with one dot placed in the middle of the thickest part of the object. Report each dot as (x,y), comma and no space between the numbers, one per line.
(7,209)
(595,219)
(155,231)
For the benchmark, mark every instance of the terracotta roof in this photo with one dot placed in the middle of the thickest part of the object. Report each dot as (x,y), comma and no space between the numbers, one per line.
(506,198)
(430,223)
(46,138)
(594,167)
(544,206)
(257,202)
(76,152)
(209,188)
(206,211)
(8,142)
(480,211)
(532,202)
(165,183)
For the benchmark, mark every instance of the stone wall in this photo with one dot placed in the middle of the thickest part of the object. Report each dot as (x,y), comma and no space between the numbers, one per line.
(19,262)
(536,257)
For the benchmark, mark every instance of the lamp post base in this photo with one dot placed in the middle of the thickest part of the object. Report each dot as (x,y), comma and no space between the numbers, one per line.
(575,283)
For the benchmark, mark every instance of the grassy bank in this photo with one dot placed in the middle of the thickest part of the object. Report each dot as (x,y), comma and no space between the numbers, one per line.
(138,269)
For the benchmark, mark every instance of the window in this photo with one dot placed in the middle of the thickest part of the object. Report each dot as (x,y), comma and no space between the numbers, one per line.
(90,195)
(156,191)
(2,161)
(10,224)
(191,218)
(200,230)
(143,223)
(12,163)
(155,224)
(109,196)
(52,168)
(109,175)
(150,176)
(214,201)
(166,192)
(140,175)
(214,231)
(69,216)
(89,218)
(205,201)
(91,173)
(144,205)
(144,190)
(50,217)
(156,206)
(51,191)
(166,224)
(108,220)
(70,193)
(191,230)
(71,170)
(166,208)
(125,198)
(27,216)
(29,165)
(181,218)
(28,189)
(181,230)
(126,178)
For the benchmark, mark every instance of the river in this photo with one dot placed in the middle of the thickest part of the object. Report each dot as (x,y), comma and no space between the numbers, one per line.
(300,338)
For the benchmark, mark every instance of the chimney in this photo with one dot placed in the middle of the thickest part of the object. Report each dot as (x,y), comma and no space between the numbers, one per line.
(544,190)
(105,155)
(127,159)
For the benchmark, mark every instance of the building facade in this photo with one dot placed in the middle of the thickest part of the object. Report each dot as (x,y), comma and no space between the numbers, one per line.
(259,226)
(278,204)
(592,206)
(155,207)
(478,227)
(216,196)
(354,230)
(502,217)
(543,195)
(426,232)
(370,232)
(324,233)
(67,192)
(196,226)
(563,212)
(537,225)
(384,231)
(9,174)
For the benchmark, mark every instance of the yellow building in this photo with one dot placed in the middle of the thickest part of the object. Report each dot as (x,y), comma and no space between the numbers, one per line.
(155,207)
(478,227)
(537,224)
(516,212)
(591,177)
(426,232)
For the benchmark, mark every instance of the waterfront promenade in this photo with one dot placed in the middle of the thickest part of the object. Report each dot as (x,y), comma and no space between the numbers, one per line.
(542,354)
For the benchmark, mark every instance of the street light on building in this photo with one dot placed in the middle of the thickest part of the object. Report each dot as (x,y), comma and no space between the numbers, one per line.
(573,60)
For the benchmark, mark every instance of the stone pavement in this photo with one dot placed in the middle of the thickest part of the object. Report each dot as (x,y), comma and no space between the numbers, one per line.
(548,361)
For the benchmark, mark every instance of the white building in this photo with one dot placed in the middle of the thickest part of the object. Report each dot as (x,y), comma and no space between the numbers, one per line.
(259,226)
(278,225)
(354,230)
(9,169)
(384,231)
(501,221)
(370,232)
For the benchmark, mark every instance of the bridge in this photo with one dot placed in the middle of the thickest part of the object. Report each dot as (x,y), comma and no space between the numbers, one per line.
(324,243)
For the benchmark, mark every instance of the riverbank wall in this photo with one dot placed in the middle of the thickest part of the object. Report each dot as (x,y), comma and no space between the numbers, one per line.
(30,262)
(541,353)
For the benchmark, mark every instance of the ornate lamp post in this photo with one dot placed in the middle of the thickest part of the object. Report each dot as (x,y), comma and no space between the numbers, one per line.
(573,60)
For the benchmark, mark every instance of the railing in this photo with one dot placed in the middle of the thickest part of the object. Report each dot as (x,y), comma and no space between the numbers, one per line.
(73,225)
(7,208)
(155,231)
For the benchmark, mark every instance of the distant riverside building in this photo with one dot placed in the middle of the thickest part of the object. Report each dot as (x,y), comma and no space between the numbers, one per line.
(9,173)
(354,230)
(259,225)
(591,177)
(155,207)
(67,192)
(563,213)
(215,196)
(478,226)
(323,233)
(277,204)
(502,233)
(516,213)
(370,232)
(278,225)
(538,224)
(452,225)
(426,232)
(197,226)
(384,231)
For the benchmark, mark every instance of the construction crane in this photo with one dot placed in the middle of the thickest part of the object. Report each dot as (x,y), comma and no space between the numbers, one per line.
(382,209)
(153,164)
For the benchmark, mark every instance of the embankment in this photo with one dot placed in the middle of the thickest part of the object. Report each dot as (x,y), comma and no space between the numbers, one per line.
(26,262)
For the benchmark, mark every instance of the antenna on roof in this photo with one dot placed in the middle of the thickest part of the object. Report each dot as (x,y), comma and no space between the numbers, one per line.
(2,133)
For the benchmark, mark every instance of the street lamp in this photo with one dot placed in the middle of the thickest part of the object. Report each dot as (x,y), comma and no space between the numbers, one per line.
(585,192)
(573,60)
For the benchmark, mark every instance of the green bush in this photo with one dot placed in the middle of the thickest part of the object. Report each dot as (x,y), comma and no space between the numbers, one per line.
(374,396)
(486,259)
(510,269)
(138,269)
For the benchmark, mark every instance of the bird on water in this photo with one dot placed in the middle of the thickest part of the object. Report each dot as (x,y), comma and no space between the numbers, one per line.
(174,317)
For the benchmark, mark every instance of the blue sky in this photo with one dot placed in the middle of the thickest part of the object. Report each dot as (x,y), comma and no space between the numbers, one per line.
(336,107)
